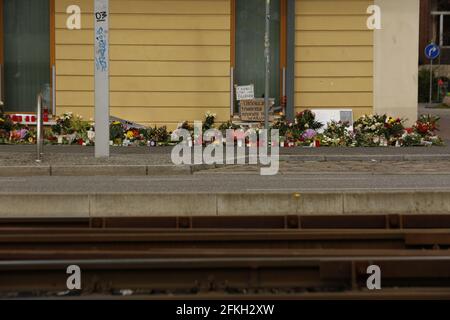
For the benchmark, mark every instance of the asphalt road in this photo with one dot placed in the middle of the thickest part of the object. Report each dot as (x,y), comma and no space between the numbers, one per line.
(230,183)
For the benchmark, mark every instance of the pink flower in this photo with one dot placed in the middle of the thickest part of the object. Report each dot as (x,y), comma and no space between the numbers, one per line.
(309,134)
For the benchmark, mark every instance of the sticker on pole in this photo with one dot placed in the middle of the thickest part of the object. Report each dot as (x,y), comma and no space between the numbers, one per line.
(432,51)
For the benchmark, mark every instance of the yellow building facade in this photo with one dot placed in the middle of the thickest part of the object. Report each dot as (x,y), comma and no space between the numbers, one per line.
(173,60)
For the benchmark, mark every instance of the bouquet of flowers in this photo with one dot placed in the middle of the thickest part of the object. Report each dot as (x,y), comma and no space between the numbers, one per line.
(19,135)
(70,129)
(282,125)
(370,130)
(426,127)
(228,126)
(116,133)
(161,135)
(307,120)
(210,119)
(337,134)
(308,137)
(410,138)
(63,124)
(394,129)
(22,134)
(6,125)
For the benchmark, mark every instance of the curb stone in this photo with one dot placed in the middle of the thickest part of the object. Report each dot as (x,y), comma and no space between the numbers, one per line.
(59,205)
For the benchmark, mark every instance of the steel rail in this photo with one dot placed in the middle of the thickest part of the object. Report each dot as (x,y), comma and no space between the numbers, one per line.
(240,222)
(330,274)
(131,254)
(181,263)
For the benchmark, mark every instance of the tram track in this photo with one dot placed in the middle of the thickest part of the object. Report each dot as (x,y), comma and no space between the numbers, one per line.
(152,261)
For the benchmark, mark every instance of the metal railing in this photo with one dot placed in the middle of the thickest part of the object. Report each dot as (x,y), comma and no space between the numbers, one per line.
(39,128)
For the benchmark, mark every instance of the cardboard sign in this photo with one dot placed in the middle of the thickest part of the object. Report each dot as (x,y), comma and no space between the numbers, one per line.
(253,110)
(245,92)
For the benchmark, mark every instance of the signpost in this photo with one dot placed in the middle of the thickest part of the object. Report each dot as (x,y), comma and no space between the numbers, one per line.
(267,56)
(432,51)
(101,40)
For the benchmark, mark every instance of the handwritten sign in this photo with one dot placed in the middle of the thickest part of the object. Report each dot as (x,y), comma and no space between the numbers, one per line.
(253,110)
(245,92)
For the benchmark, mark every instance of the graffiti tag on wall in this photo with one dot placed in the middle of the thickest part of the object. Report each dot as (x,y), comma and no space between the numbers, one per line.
(101,37)
(101,62)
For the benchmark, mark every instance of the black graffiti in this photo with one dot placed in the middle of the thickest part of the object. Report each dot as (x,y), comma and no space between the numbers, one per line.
(101,16)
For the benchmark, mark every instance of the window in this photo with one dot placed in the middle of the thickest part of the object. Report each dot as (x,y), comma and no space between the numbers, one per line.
(443,5)
(26,50)
(441,28)
(441,23)
(446,31)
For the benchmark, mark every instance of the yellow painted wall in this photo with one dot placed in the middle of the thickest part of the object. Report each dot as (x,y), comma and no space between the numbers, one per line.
(333,55)
(170,60)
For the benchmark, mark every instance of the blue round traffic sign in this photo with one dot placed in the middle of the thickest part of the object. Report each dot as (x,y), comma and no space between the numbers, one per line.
(432,51)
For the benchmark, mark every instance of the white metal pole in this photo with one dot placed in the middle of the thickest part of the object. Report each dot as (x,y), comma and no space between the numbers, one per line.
(431,82)
(232,91)
(39,128)
(267,56)
(101,38)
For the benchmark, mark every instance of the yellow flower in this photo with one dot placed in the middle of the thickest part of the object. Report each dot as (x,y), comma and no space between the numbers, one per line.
(130,134)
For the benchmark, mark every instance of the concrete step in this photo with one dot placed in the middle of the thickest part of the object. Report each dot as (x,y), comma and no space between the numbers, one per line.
(65,205)
(100,170)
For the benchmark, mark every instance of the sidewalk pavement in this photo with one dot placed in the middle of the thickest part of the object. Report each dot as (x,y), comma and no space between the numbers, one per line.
(19,160)
(70,182)
(212,194)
